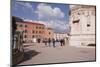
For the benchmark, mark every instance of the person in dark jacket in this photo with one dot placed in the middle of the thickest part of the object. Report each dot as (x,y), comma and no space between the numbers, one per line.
(45,43)
(53,40)
(61,42)
(49,42)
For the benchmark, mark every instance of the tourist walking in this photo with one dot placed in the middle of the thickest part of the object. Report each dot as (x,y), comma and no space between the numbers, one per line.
(61,42)
(45,41)
(53,40)
(49,41)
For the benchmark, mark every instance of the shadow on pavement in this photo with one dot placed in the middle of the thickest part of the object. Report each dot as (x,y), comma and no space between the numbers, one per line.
(29,54)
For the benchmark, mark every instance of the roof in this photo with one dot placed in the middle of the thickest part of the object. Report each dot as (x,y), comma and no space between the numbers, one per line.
(34,23)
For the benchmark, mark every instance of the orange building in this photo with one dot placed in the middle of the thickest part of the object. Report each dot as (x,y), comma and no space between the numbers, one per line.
(48,33)
(34,32)
(31,31)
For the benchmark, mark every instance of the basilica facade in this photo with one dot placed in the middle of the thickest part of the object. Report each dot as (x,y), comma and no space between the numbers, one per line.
(82,20)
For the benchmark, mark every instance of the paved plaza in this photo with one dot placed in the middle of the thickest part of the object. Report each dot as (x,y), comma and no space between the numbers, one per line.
(40,54)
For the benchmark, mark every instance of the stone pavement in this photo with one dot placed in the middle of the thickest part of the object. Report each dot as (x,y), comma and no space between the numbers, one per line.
(40,54)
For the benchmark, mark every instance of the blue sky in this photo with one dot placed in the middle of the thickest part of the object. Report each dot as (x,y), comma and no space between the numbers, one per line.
(51,14)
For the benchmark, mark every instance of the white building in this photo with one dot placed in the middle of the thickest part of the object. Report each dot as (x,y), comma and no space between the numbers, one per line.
(82,23)
(59,36)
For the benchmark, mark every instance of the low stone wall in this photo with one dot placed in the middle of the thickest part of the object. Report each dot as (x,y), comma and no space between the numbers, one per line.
(81,40)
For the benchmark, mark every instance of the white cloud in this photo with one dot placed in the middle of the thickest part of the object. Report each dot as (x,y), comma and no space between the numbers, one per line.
(46,11)
(59,25)
(58,13)
(25,5)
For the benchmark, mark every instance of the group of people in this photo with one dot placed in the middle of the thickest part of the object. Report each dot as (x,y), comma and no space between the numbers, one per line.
(50,42)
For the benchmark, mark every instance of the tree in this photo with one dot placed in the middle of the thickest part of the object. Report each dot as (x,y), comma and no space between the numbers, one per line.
(14,20)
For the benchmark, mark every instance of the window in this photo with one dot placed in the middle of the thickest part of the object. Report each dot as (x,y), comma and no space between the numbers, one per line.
(78,13)
(36,27)
(88,25)
(33,31)
(76,21)
(21,25)
(49,33)
(33,36)
(25,25)
(25,36)
(25,31)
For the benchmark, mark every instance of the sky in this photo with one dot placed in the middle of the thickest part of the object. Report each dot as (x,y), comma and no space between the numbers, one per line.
(51,14)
